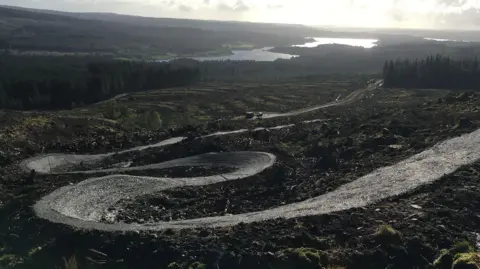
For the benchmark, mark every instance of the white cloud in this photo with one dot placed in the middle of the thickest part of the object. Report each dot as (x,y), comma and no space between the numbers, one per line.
(373,13)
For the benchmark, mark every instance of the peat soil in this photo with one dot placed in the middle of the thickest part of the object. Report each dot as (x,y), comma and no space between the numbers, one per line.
(312,159)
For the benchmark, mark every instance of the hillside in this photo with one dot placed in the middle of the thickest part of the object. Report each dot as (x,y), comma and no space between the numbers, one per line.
(121,35)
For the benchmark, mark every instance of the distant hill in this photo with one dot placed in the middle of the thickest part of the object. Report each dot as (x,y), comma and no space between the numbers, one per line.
(186,23)
(45,30)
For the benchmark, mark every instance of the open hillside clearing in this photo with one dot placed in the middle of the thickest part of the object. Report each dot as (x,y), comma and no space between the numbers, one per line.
(312,159)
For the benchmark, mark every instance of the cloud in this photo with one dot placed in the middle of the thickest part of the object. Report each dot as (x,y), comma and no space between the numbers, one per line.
(397,15)
(224,7)
(467,19)
(358,4)
(453,3)
(239,6)
(275,6)
(185,8)
(168,3)
(370,13)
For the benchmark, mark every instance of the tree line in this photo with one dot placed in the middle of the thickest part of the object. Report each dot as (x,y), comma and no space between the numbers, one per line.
(433,72)
(65,82)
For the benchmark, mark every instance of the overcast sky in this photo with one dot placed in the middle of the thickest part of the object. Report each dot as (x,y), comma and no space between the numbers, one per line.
(461,14)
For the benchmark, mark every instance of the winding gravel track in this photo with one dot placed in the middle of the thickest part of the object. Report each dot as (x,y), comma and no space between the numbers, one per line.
(83,205)
(345,101)
(86,204)
(58,163)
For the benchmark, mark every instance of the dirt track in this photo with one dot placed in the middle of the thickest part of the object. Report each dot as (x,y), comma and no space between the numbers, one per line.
(345,101)
(84,204)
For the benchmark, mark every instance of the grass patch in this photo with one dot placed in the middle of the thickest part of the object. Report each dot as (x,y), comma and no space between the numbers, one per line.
(461,247)
(149,119)
(33,251)
(387,235)
(203,118)
(291,148)
(466,260)
(305,258)
(444,260)
(36,121)
(70,263)
(197,265)
(10,260)
(461,252)
(174,265)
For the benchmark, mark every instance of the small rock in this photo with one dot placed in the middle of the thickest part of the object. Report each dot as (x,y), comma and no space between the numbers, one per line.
(396,146)
(416,206)
(386,133)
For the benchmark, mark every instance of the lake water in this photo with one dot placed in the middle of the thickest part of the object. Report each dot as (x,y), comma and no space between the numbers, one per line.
(359,42)
(446,40)
(260,55)
(264,55)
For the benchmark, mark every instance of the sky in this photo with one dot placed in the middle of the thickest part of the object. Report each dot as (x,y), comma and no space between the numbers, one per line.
(457,14)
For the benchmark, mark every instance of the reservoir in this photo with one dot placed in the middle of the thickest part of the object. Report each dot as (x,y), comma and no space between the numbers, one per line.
(358,42)
(264,55)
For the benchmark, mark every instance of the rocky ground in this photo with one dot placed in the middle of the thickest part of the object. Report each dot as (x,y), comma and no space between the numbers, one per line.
(313,159)
(403,232)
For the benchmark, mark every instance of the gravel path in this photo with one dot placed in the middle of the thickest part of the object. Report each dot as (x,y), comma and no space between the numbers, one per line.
(345,101)
(86,204)
(83,205)
(58,163)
